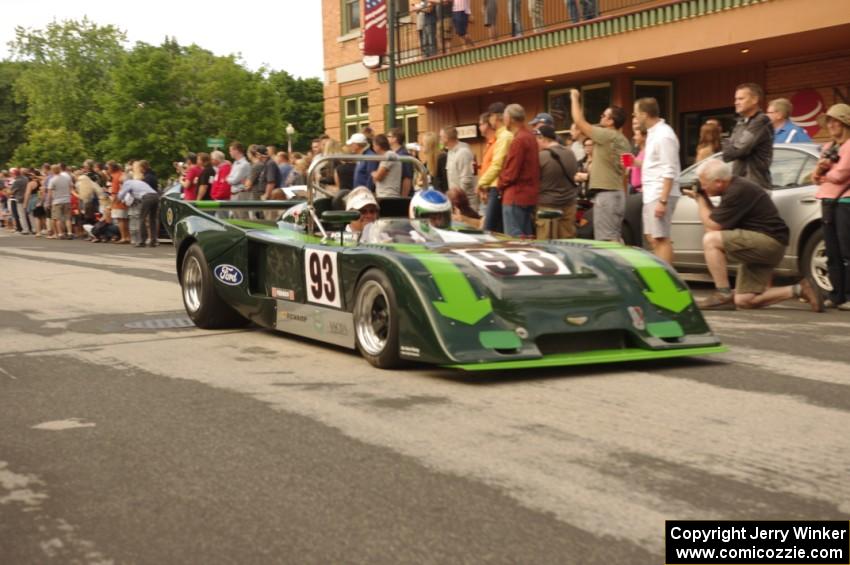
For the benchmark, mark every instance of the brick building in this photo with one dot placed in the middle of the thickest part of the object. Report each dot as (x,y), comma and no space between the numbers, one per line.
(689,54)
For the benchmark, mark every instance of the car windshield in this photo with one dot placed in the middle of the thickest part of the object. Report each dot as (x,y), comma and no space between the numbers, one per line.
(403,230)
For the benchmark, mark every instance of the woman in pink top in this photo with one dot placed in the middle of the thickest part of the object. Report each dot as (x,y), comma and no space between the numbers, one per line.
(635,180)
(832,176)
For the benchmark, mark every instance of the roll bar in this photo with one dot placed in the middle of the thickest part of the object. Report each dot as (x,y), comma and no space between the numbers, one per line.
(314,186)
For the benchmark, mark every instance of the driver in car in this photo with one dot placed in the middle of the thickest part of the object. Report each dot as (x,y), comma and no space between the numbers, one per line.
(362,200)
(432,205)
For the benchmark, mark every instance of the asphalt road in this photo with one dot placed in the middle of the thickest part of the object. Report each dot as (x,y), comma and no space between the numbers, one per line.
(128,437)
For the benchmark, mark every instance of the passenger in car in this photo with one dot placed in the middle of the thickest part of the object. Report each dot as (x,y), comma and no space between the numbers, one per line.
(362,200)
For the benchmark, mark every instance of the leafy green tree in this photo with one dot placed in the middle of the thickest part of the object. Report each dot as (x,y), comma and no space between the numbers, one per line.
(69,64)
(77,80)
(166,100)
(50,146)
(302,105)
(142,108)
(229,100)
(12,111)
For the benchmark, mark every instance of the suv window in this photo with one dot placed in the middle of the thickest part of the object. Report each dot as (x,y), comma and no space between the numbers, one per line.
(789,168)
(808,169)
(786,168)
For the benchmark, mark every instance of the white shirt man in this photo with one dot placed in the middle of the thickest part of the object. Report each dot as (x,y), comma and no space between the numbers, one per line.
(659,175)
(387,176)
(239,173)
(460,168)
(661,161)
(60,187)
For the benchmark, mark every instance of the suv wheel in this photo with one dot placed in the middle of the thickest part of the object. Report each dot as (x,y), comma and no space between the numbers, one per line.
(813,264)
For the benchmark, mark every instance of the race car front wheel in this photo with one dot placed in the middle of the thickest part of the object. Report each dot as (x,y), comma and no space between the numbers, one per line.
(376,320)
(204,306)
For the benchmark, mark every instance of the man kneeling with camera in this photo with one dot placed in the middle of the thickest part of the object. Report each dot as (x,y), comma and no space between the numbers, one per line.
(746,227)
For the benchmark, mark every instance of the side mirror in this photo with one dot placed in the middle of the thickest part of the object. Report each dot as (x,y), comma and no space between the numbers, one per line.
(340,216)
(549,214)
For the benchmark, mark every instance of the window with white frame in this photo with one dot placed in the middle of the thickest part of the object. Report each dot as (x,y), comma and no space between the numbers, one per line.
(355,114)
(350,16)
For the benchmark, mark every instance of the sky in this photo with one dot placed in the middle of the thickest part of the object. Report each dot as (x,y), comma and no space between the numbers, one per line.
(285,35)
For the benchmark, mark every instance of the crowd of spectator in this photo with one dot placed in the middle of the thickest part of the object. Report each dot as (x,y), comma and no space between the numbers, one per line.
(528,184)
(95,201)
(459,15)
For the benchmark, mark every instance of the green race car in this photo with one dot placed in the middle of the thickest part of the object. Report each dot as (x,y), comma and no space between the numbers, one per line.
(407,289)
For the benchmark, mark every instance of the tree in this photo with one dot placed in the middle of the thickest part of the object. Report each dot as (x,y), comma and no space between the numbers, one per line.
(69,63)
(141,109)
(50,146)
(75,78)
(166,100)
(302,105)
(12,111)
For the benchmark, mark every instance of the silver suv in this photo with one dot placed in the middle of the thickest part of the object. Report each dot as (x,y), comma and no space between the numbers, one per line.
(794,196)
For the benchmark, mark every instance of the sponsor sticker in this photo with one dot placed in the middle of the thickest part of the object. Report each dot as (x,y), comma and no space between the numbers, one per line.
(169,216)
(293,317)
(409,351)
(229,275)
(283,293)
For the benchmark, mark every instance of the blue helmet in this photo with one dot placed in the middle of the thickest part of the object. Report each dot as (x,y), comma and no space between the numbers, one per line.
(433,205)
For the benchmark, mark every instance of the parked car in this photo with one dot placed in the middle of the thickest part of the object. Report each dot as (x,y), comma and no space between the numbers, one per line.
(794,196)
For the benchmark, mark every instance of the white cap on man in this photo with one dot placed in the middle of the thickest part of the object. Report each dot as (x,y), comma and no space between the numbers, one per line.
(359,198)
(358,139)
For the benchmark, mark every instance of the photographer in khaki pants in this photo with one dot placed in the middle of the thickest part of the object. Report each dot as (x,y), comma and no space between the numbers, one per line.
(745,226)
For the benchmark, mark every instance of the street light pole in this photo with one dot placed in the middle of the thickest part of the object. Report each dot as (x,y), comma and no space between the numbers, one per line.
(290,131)
(391,25)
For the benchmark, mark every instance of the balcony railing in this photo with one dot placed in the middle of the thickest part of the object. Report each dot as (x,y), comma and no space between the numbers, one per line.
(554,14)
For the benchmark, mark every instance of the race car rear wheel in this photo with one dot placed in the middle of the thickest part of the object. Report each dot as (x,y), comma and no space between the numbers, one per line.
(204,306)
(376,320)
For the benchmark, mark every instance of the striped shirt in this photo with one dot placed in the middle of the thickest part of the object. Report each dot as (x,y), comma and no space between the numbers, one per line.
(462,6)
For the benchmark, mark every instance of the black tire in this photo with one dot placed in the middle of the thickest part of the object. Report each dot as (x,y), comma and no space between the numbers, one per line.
(813,263)
(203,305)
(376,320)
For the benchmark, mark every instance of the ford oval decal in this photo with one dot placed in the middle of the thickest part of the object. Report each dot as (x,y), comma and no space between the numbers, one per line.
(229,275)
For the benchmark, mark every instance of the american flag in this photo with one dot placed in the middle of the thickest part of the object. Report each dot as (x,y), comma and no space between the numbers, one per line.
(375,28)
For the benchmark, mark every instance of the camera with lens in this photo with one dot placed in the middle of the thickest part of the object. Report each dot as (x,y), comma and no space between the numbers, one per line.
(831,154)
(695,187)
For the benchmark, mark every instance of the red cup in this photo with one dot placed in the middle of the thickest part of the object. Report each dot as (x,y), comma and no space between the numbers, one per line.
(627,159)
